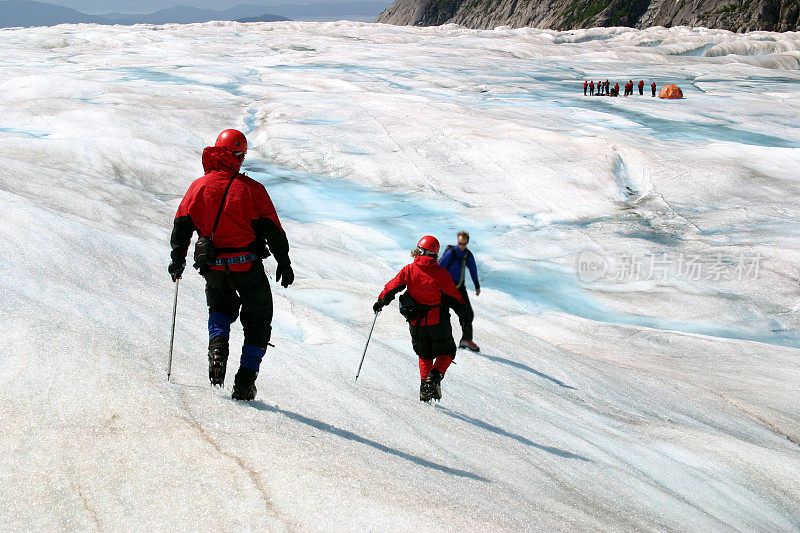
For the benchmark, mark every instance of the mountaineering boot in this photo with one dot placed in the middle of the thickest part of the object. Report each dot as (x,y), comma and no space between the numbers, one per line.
(217,360)
(425,390)
(469,345)
(435,378)
(244,384)
(430,388)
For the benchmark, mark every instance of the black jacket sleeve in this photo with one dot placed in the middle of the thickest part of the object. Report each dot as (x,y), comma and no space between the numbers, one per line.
(390,294)
(182,231)
(459,308)
(270,233)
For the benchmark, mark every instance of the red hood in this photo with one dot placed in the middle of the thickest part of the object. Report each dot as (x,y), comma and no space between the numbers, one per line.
(220,160)
(425,262)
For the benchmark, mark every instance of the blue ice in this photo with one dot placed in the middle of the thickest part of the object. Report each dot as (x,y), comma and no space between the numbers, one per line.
(25,133)
(659,128)
(402,218)
(157,76)
(557,90)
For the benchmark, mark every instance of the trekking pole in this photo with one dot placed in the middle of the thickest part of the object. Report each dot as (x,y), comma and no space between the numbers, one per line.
(365,347)
(172,335)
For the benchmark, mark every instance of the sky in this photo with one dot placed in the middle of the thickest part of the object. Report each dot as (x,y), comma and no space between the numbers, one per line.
(638,316)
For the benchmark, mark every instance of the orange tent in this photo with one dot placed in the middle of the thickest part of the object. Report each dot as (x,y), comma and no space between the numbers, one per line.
(670,91)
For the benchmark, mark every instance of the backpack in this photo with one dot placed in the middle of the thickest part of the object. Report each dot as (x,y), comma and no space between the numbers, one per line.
(408,307)
(414,311)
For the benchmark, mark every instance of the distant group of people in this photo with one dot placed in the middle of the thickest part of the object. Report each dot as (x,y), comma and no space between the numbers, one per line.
(604,88)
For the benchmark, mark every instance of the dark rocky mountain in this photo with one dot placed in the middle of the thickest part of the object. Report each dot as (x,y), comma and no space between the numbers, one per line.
(734,15)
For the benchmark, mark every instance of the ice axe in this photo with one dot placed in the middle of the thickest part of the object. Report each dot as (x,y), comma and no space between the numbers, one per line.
(172,336)
(365,346)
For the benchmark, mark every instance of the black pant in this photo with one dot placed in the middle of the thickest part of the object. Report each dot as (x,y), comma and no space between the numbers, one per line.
(465,319)
(429,342)
(227,292)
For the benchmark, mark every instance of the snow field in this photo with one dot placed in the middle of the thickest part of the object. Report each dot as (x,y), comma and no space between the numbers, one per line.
(614,405)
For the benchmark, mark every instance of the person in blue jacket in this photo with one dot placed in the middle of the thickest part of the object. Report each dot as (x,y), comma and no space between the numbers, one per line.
(457,259)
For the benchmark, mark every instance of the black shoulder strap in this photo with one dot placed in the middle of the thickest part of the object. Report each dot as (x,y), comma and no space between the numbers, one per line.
(463,269)
(221,205)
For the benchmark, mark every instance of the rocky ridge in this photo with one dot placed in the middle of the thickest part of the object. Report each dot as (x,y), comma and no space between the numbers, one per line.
(736,15)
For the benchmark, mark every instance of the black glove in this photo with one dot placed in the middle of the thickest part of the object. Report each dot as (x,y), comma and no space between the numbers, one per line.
(380,304)
(284,272)
(176,270)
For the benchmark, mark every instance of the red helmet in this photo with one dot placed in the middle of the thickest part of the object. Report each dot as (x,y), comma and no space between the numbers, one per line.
(429,243)
(233,140)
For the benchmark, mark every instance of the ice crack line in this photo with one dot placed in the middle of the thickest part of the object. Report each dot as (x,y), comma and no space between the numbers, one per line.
(90,511)
(252,474)
(772,427)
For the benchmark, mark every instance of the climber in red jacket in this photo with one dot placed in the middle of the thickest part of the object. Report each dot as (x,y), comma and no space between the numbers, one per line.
(426,304)
(237,227)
